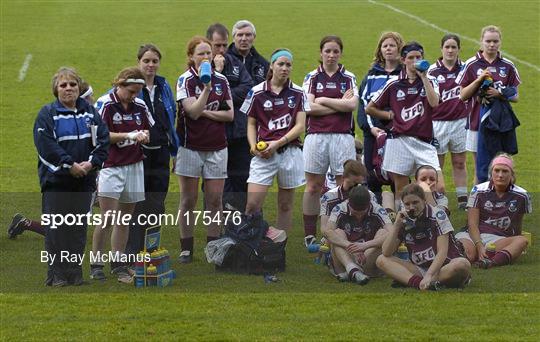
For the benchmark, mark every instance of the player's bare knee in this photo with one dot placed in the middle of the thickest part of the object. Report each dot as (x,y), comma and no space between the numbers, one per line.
(381,261)
(285,207)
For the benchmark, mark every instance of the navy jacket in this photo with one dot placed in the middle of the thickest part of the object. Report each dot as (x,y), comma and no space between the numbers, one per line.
(240,82)
(499,124)
(63,137)
(170,107)
(255,64)
(374,81)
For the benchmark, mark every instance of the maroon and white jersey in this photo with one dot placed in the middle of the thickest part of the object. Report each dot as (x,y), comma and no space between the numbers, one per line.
(203,134)
(412,113)
(118,120)
(275,113)
(334,196)
(450,107)
(502,70)
(359,231)
(420,237)
(500,215)
(319,84)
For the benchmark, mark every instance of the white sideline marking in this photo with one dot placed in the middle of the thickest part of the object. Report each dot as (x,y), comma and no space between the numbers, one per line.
(24,68)
(427,23)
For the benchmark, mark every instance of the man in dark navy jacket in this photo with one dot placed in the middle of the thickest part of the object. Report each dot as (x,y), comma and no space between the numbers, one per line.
(234,194)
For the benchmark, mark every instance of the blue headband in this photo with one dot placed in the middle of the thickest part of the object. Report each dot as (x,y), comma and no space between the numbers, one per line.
(280,53)
(412,47)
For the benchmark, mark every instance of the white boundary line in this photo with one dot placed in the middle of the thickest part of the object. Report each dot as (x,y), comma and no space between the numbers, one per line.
(24,67)
(427,23)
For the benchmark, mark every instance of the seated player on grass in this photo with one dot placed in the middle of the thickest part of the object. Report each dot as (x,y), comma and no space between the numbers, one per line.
(356,230)
(435,258)
(495,215)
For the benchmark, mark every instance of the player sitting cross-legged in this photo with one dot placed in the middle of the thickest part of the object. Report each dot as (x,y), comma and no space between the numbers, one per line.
(356,230)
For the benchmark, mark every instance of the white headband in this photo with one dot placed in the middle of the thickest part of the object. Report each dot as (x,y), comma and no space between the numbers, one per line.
(87,93)
(135,80)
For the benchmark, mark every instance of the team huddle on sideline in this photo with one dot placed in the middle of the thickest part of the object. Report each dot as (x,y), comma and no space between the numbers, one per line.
(236,121)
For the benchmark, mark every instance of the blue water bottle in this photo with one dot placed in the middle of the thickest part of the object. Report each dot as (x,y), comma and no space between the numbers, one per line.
(421,65)
(205,72)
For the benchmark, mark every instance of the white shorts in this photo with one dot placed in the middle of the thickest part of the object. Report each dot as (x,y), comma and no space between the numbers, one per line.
(205,164)
(486,238)
(451,135)
(287,165)
(124,183)
(324,150)
(472,141)
(404,154)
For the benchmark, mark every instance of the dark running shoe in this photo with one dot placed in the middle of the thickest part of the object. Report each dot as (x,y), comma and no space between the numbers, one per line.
(435,286)
(185,257)
(485,263)
(16,226)
(96,273)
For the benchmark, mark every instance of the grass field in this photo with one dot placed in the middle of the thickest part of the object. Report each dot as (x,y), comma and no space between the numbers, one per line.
(101,37)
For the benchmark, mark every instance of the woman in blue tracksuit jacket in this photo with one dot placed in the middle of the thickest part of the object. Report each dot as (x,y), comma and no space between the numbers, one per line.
(386,66)
(159,99)
(72,143)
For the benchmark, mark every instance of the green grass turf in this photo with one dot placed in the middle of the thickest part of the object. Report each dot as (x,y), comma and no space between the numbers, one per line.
(101,37)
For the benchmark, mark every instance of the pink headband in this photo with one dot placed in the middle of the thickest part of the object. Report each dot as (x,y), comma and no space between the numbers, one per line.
(502,160)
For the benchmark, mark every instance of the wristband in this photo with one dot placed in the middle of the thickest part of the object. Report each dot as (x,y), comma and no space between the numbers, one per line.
(132,135)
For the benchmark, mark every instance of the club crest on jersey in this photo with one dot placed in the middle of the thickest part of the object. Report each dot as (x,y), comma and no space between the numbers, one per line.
(423,92)
(409,238)
(479,72)
(280,123)
(343,87)
(117,118)
(488,206)
(400,95)
(218,89)
(512,206)
(320,87)
(441,215)
(267,105)
(236,70)
(198,90)
(291,101)
(502,72)
(138,119)
(441,79)
(410,113)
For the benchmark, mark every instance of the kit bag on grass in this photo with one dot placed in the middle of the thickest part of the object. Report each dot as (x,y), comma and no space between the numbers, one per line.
(253,252)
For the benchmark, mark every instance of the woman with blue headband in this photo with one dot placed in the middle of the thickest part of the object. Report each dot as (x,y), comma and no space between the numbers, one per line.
(329,142)
(276,111)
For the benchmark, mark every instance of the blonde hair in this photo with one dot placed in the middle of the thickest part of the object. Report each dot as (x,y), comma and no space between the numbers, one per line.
(490,28)
(65,72)
(507,156)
